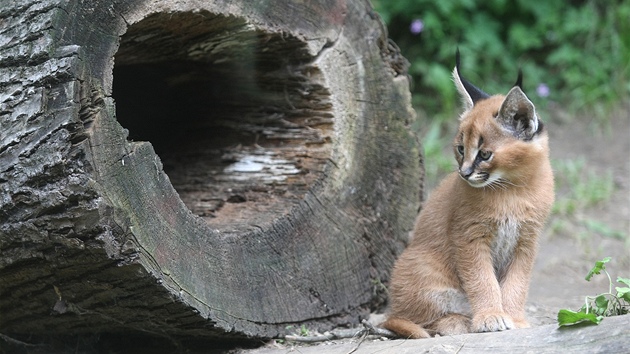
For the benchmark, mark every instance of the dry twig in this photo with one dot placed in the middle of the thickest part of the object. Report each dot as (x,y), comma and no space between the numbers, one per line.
(367,330)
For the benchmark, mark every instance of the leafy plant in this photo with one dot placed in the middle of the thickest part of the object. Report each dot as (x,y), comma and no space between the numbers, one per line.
(595,308)
(301,331)
(436,145)
(304,331)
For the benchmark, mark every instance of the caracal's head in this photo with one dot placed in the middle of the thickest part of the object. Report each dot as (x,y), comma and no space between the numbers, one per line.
(500,139)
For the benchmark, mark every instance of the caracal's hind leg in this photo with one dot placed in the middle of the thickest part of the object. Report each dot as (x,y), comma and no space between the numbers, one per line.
(451,324)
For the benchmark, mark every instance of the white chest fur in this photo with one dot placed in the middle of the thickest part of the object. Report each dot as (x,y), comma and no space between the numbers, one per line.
(503,246)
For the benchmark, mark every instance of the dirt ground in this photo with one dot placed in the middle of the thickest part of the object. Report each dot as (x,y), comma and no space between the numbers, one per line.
(566,255)
(568,251)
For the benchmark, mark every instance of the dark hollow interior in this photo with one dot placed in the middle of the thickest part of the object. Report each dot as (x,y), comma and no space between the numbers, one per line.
(239,116)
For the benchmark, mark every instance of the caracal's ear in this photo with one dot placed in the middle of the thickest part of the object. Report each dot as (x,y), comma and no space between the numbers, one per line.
(469,93)
(518,115)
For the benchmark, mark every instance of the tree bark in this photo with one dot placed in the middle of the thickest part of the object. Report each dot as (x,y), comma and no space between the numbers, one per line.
(192,169)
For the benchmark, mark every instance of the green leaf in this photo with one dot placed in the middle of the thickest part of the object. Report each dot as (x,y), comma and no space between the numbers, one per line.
(623,293)
(602,304)
(624,280)
(599,266)
(568,318)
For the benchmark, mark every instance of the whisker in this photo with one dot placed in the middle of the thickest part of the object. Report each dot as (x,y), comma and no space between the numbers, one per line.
(506,181)
(498,184)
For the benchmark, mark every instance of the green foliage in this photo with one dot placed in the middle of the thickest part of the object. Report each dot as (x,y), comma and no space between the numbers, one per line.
(597,269)
(436,143)
(302,331)
(569,51)
(595,308)
(568,317)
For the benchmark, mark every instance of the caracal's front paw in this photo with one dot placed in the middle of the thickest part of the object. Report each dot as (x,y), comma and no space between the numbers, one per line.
(492,322)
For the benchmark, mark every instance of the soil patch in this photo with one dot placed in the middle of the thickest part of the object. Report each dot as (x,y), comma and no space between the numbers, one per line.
(568,253)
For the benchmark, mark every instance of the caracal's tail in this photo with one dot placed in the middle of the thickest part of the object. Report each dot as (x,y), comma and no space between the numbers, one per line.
(405,328)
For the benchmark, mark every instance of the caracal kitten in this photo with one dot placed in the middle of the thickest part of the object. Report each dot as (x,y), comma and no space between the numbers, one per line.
(468,265)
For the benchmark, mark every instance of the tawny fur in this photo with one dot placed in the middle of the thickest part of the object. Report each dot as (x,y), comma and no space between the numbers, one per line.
(468,265)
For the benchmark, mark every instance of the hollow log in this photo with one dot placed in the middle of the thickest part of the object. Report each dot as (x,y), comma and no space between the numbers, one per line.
(196,170)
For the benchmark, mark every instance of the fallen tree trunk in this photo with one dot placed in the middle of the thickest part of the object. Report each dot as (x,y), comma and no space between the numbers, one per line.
(210,170)
(610,336)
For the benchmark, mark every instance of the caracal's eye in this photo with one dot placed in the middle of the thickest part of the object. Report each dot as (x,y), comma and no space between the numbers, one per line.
(460,149)
(484,154)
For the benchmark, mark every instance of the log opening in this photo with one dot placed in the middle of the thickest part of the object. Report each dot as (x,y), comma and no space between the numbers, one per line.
(240,117)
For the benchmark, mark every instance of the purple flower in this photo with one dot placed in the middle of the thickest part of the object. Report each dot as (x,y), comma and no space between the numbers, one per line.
(416,26)
(542,90)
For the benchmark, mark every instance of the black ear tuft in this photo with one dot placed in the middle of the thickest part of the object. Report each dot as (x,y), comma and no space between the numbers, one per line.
(475,93)
(457,60)
(519,79)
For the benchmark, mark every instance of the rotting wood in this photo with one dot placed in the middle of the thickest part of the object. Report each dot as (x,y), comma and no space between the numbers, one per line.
(291,211)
